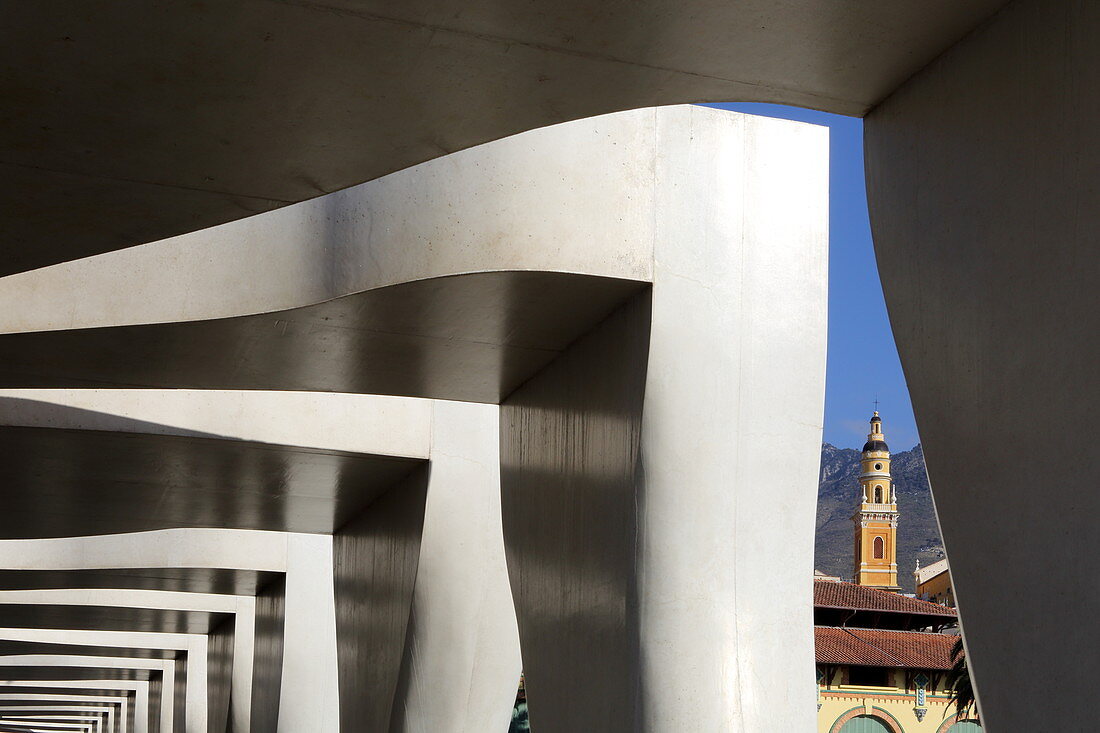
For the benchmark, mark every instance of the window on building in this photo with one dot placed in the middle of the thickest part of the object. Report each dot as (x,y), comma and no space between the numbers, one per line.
(878,494)
(880,548)
(869,676)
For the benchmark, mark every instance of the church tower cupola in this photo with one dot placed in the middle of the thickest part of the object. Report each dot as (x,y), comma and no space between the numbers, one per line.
(876,520)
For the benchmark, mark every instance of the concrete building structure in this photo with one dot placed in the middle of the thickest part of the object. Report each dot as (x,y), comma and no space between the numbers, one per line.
(526,321)
(528,272)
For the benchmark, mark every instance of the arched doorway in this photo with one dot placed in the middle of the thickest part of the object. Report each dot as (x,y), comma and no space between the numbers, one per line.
(965,726)
(866,724)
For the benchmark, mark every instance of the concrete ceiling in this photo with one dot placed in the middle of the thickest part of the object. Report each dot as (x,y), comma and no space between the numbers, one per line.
(220,581)
(107,482)
(128,122)
(472,337)
(61,672)
(11,647)
(108,618)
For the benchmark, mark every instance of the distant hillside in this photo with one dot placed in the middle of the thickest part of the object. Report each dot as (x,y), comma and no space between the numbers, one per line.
(838,497)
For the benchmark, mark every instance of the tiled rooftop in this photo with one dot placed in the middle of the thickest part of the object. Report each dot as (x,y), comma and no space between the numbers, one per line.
(883,648)
(833,594)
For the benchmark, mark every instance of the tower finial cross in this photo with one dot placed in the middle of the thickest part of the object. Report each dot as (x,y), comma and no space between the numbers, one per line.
(876,403)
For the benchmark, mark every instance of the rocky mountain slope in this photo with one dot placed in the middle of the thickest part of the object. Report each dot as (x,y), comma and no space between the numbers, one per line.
(837,500)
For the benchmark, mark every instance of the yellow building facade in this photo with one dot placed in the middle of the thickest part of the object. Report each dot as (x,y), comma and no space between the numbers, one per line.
(894,707)
(876,520)
(882,662)
(933,583)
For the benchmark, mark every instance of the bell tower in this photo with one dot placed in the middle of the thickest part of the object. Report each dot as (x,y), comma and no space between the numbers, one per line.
(876,520)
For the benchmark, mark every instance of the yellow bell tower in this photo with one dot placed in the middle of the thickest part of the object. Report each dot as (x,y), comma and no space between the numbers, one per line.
(876,557)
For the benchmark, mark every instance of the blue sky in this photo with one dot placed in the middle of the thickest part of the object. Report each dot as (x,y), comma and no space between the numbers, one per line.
(858,326)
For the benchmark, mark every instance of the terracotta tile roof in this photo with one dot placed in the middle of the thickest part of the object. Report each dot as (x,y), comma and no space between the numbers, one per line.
(883,648)
(831,594)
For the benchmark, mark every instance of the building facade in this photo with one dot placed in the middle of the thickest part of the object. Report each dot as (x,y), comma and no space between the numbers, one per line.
(882,662)
(933,583)
(882,657)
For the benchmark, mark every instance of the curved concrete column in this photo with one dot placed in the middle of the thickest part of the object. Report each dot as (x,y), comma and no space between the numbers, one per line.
(462,657)
(658,558)
(982,186)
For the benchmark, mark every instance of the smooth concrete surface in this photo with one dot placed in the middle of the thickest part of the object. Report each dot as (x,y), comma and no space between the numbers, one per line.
(267,661)
(658,566)
(193,549)
(374,570)
(133,693)
(390,426)
(457,279)
(982,185)
(189,651)
(164,680)
(220,669)
(102,715)
(176,116)
(228,621)
(175,683)
(114,482)
(461,666)
(516,254)
(480,272)
(473,337)
(116,721)
(53,723)
(309,695)
(102,712)
(308,675)
(456,586)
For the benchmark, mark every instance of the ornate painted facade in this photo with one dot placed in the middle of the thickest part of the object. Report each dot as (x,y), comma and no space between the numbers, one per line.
(882,663)
(876,519)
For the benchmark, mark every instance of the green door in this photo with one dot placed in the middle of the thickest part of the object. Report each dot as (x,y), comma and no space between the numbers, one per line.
(865,724)
(965,726)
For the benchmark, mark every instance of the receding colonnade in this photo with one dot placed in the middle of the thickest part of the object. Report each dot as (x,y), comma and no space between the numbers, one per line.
(338,257)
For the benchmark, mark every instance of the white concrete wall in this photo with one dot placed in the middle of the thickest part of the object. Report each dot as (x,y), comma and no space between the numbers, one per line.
(982,186)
